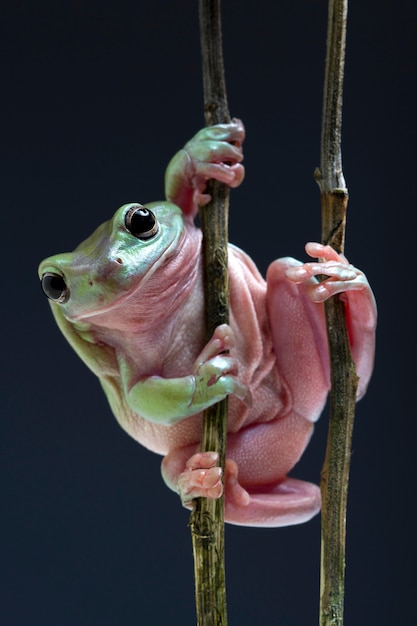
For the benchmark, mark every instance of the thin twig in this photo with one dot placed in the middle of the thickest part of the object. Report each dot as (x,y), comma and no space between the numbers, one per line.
(334,199)
(207,518)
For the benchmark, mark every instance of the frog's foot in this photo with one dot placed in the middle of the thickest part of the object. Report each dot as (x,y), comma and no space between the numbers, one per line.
(341,275)
(289,501)
(201,478)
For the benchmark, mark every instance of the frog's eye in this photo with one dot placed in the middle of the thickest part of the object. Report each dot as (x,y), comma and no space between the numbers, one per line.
(141,222)
(54,287)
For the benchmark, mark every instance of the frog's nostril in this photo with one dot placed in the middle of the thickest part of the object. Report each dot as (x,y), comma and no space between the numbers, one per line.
(54,287)
(119,260)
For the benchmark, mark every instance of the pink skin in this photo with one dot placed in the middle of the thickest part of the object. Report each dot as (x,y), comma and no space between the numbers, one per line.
(258,491)
(135,315)
(289,501)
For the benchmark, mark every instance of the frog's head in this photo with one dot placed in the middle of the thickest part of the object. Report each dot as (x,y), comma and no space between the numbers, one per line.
(114,261)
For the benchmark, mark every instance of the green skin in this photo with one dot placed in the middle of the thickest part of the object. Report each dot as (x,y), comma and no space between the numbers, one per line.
(98,292)
(129,300)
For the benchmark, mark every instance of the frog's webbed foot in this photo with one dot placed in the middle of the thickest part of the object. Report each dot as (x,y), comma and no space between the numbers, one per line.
(340,275)
(215,152)
(203,478)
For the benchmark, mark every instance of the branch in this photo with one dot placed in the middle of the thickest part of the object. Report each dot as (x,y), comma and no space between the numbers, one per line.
(207,518)
(334,199)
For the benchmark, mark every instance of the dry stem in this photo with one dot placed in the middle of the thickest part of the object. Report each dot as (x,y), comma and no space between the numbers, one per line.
(207,518)
(334,199)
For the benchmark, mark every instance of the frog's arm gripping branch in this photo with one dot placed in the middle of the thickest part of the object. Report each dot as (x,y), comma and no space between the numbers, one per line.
(213,153)
(171,400)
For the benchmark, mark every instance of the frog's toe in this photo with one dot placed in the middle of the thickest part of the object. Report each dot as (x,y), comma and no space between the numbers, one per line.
(230,174)
(202,478)
(222,340)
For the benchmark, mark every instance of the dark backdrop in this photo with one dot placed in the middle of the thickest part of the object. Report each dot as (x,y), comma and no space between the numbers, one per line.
(96,98)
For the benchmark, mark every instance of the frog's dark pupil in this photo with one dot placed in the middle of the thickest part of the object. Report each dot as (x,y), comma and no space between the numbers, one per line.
(141,223)
(53,286)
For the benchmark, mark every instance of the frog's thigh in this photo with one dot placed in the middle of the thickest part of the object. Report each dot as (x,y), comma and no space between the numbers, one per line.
(266,452)
(299,338)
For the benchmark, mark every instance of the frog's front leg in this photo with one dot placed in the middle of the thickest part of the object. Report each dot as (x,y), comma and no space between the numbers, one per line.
(214,152)
(170,400)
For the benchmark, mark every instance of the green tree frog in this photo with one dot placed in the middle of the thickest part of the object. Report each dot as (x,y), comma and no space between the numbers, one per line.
(129,300)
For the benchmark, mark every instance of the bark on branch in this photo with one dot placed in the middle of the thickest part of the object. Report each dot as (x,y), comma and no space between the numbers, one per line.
(334,199)
(207,518)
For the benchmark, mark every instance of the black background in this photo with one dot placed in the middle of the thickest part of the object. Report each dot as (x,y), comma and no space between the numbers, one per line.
(96,98)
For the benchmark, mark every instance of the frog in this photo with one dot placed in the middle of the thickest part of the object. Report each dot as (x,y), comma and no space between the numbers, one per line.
(129,300)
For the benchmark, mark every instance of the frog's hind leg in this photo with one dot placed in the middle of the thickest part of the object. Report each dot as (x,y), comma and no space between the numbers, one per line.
(299,336)
(258,490)
(288,502)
